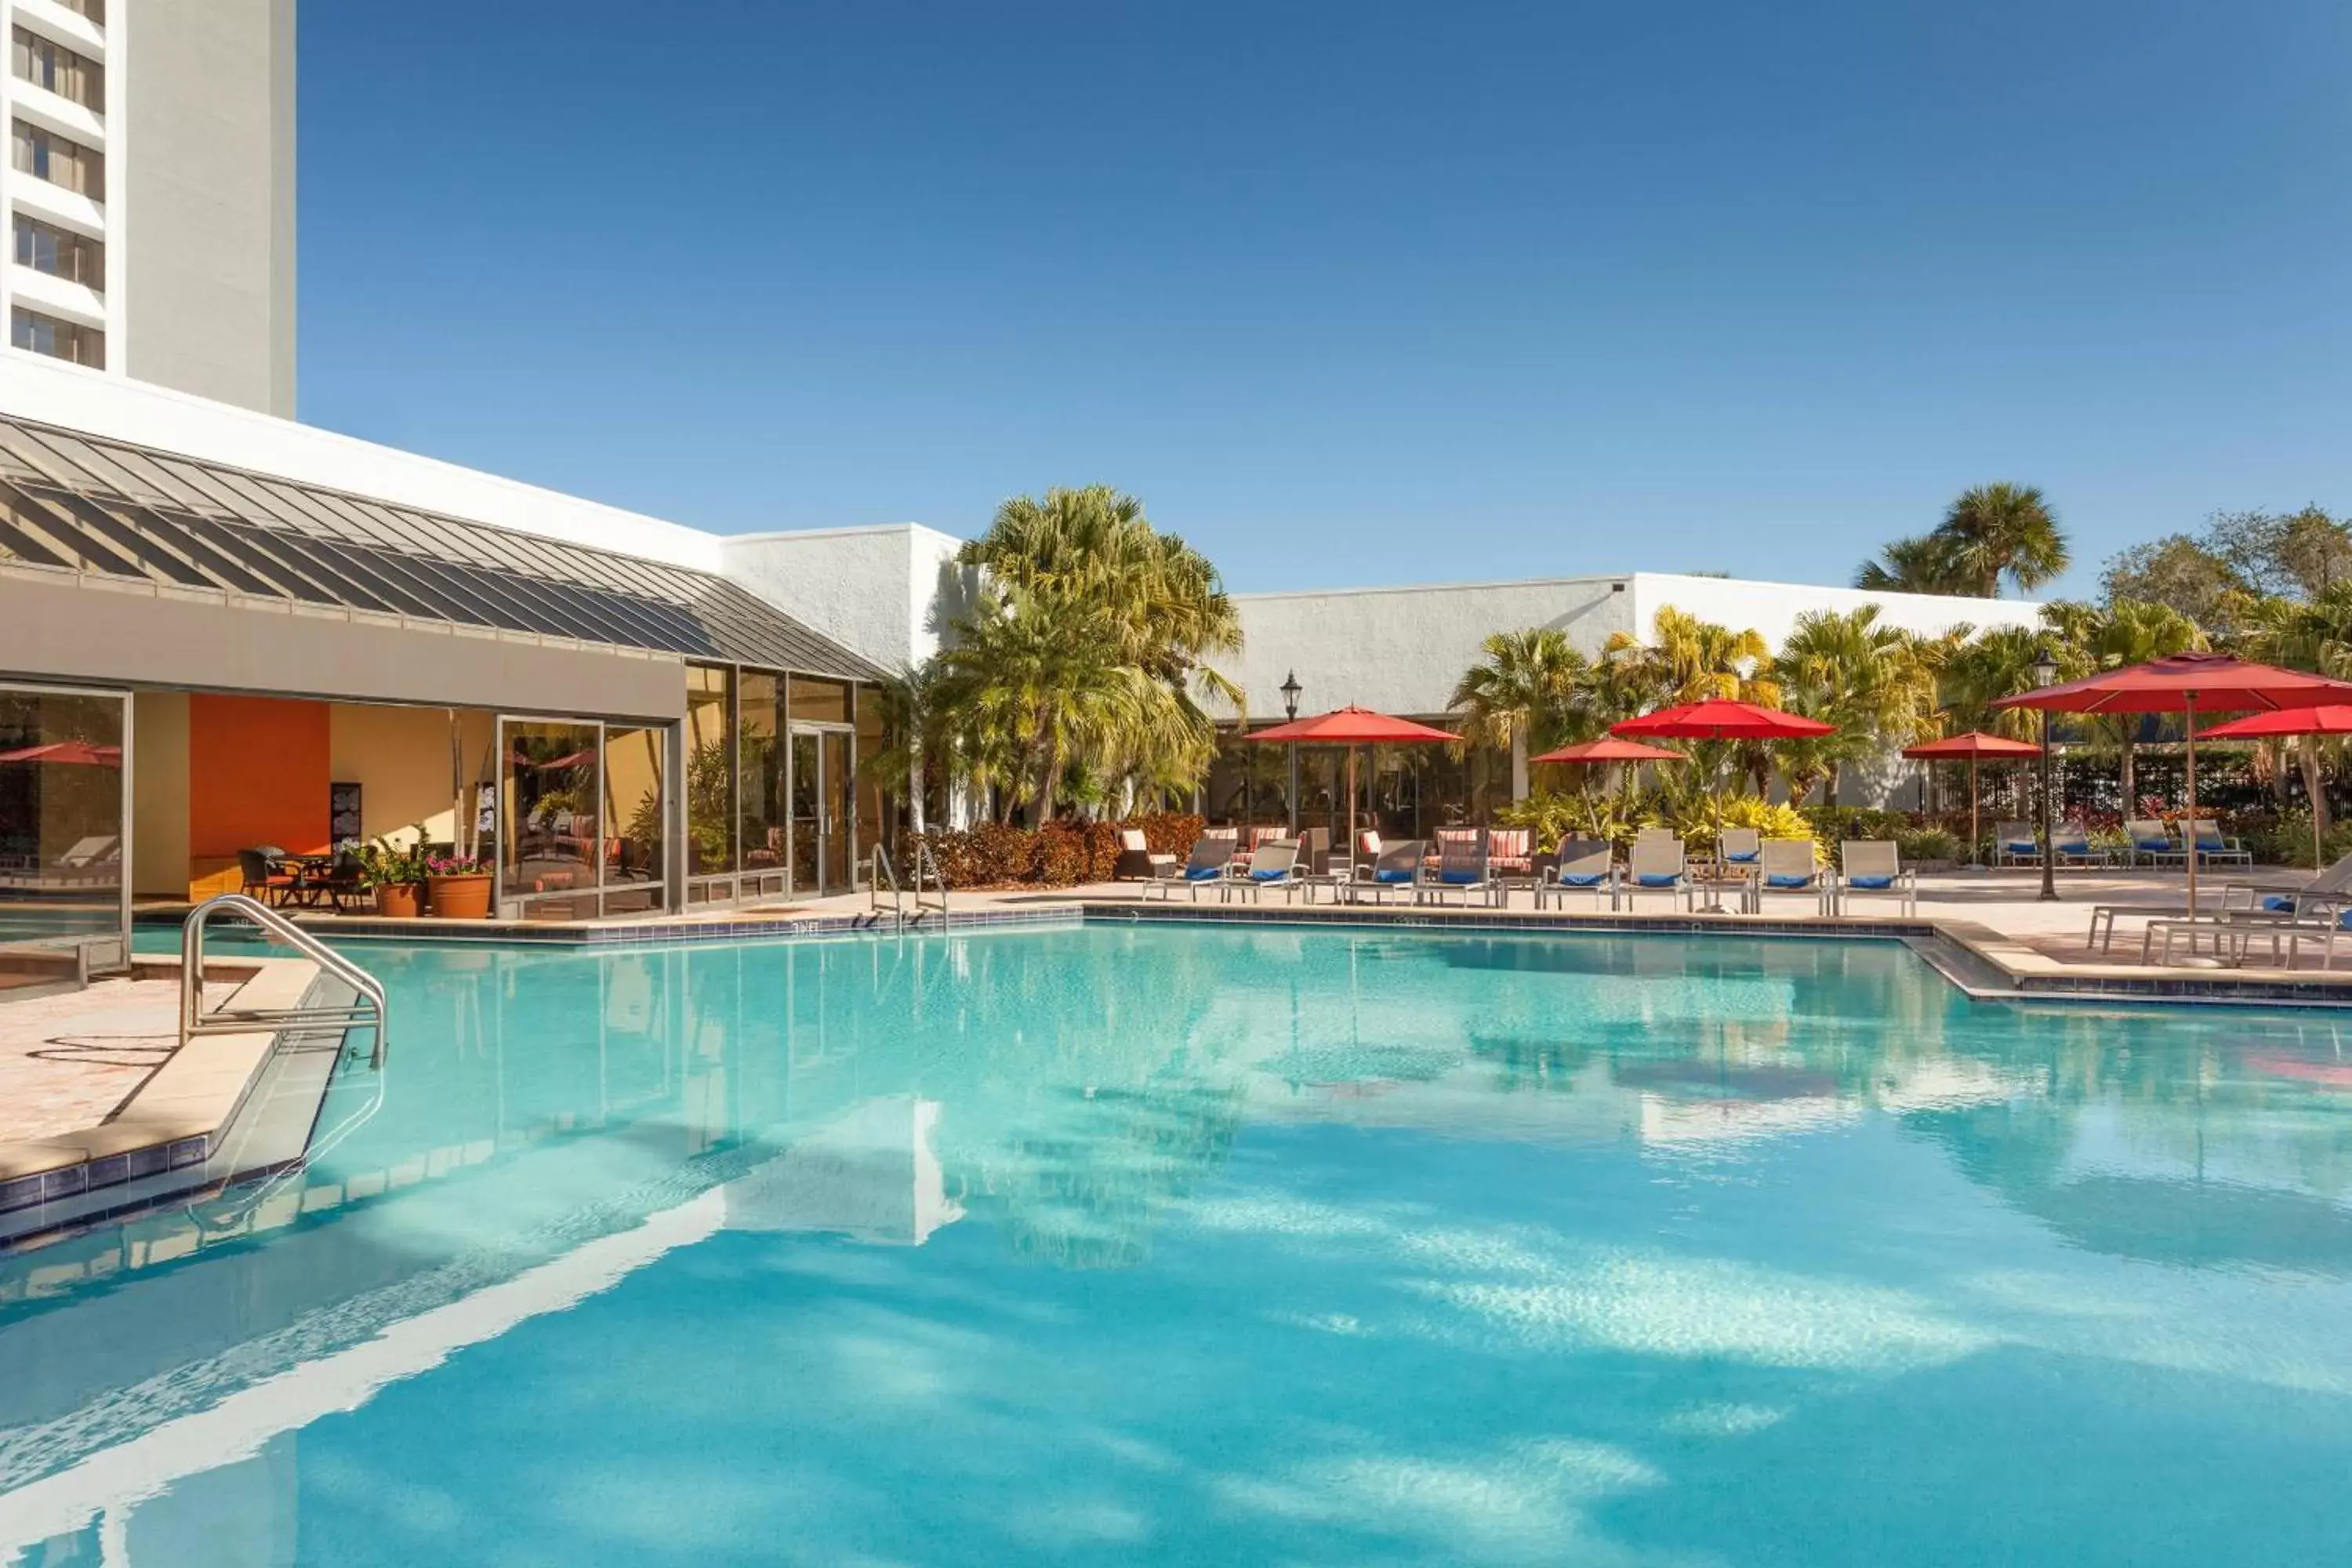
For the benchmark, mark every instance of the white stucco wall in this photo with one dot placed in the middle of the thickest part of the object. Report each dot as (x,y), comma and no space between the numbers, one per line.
(1772,608)
(887,592)
(32,387)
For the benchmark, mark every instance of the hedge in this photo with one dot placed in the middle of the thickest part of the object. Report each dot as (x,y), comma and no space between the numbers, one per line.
(1058,855)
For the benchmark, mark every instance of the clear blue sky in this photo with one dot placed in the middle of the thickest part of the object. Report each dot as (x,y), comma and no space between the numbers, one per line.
(1350,293)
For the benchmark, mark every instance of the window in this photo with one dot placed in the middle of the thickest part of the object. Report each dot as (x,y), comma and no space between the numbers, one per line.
(73,256)
(90,11)
(48,64)
(58,340)
(48,156)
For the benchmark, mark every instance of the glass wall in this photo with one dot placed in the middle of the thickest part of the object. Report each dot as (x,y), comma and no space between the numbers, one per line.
(709,781)
(817,701)
(635,823)
(63,815)
(870,782)
(760,789)
(1405,792)
(549,822)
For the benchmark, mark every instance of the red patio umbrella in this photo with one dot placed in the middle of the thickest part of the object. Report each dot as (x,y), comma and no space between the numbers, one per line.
(67,753)
(2184,683)
(1722,718)
(1609,749)
(1973,745)
(1351,727)
(2326,719)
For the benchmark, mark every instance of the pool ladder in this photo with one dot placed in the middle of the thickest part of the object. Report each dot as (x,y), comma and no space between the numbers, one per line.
(925,871)
(366,1007)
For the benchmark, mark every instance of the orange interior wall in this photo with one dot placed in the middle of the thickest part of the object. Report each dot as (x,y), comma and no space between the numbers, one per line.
(258,773)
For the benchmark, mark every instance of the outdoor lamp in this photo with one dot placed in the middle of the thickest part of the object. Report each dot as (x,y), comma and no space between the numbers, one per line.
(1290,690)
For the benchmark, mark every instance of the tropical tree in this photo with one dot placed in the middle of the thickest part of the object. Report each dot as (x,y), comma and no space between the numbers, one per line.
(2121,633)
(1085,663)
(1922,563)
(1998,662)
(1528,688)
(2313,634)
(2003,531)
(1870,679)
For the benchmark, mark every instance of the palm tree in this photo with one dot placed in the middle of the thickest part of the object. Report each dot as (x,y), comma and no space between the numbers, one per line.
(1083,592)
(1528,688)
(2313,634)
(1922,563)
(2123,633)
(1867,678)
(2002,531)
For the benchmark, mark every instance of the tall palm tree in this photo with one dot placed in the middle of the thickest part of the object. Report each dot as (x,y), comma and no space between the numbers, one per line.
(2122,633)
(1922,563)
(2313,634)
(2003,531)
(1851,670)
(1528,688)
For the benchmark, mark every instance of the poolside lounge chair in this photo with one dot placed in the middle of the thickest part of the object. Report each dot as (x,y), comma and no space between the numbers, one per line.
(1656,833)
(1211,860)
(1582,866)
(2213,847)
(2152,841)
(1274,864)
(1511,851)
(1137,860)
(1462,871)
(1656,865)
(2321,895)
(2015,843)
(2073,847)
(1740,849)
(1397,871)
(1875,868)
(1790,866)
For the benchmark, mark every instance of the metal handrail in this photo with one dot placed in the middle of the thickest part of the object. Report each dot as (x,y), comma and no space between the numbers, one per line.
(882,871)
(367,1007)
(924,859)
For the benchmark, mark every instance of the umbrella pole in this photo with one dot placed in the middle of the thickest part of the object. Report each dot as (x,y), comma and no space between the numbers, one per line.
(2190,715)
(1975,833)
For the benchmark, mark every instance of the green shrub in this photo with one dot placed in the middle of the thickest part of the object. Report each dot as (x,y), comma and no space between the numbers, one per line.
(1695,820)
(1060,855)
(1919,844)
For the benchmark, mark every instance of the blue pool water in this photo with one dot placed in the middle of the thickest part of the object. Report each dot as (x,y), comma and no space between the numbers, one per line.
(1171,1245)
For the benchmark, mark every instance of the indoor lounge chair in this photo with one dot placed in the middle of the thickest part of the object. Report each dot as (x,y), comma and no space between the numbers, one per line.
(1873,868)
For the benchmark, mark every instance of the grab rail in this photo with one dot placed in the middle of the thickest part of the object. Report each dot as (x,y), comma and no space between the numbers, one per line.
(884,872)
(924,859)
(367,1007)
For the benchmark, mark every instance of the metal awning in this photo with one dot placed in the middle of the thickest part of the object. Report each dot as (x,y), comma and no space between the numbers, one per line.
(81,503)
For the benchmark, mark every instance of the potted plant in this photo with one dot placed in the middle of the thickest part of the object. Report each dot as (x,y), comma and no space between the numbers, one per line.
(460,886)
(397,873)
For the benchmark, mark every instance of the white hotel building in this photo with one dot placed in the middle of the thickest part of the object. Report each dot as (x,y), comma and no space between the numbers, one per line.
(222,630)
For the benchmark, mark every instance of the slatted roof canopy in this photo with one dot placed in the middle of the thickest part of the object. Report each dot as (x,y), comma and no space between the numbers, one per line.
(86,504)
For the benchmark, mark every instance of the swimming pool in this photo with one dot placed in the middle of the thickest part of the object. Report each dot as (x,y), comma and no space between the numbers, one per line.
(1217,1245)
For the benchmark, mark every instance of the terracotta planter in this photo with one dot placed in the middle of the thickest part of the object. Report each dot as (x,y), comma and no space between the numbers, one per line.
(397,899)
(461,898)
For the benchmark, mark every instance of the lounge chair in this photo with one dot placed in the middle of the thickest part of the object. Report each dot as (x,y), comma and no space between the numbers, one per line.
(2015,843)
(2152,841)
(1740,849)
(2322,894)
(1397,871)
(1874,868)
(1274,864)
(1790,866)
(1462,870)
(2213,848)
(2073,847)
(1137,860)
(1207,867)
(1583,866)
(1656,865)
(1656,833)
(1511,851)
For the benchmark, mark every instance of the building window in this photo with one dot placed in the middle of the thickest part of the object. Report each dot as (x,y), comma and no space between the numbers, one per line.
(90,11)
(45,63)
(75,257)
(58,340)
(49,156)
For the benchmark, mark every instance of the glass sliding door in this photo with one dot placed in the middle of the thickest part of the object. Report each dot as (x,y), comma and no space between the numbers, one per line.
(550,839)
(636,819)
(840,841)
(65,820)
(710,783)
(760,786)
(808,818)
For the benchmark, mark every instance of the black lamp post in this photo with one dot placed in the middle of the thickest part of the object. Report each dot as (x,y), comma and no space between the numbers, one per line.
(2045,673)
(1290,690)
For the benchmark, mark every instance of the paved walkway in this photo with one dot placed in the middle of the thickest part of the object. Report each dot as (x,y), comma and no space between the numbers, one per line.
(68,1061)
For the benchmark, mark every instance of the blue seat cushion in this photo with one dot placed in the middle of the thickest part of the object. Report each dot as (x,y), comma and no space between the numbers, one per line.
(1392,877)
(2020,846)
(2073,847)
(2278,902)
(1743,857)
(1281,876)
(1584,878)
(2344,919)
(1201,873)
(2153,845)
(1870,884)
(1660,878)
(1461,879)
(1786,879)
